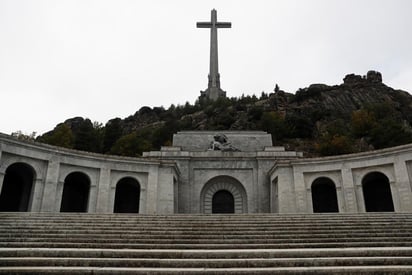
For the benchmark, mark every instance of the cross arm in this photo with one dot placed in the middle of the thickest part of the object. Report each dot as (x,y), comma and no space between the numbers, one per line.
(210,25)
(223,24)
(204,25)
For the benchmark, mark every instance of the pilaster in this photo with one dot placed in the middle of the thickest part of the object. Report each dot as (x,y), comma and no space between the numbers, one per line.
(285,193)
(165,201)
(152,188)
(300,193)
(103,191)
(37,195)
(403,200)
(1,171)
(1,180)
(50,187)
(349,191)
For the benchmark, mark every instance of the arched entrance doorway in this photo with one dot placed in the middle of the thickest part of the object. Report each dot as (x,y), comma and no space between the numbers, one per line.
(75,196)
(377,193)
(223,202)
(223,194)
(17,188)
(324,198)
(127,196)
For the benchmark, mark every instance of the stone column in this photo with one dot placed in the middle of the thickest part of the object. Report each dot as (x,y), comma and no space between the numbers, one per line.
(286,196)
(403,200)
(37,195)
(103,191)
(152,188)
(1,171)
(349,191)
(91,208)
(300,193)
(50,186)
(59,194)
(263,194)
(1,180)
(165,200)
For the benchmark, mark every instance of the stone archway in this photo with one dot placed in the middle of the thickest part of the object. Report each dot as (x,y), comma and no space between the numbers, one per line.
(223,202)
(377,193)
(127,196)
(221,189)
(324,197)
(17,188)
(76,191)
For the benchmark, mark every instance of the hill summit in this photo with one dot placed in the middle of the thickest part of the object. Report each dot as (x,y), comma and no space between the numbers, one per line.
(360,114)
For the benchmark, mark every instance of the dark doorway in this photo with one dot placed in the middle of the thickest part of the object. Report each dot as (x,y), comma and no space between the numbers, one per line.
(377,193)
(127,197)
(75,193)
(223,203)
(17,188)
(324,198)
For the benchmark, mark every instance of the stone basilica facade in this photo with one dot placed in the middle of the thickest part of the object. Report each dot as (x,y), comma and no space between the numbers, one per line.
(203,172)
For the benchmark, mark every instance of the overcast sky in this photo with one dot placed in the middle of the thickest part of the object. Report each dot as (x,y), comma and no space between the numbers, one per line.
(104,59)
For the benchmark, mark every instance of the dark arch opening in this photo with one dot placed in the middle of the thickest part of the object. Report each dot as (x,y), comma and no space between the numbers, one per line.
(17,188)
(75,193)
(127,197)
(377,193)
(223,202)
(324,198)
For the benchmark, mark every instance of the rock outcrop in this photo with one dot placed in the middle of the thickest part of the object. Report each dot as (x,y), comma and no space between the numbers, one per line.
(298,120)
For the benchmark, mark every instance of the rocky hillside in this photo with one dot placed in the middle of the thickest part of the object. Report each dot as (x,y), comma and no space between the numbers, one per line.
(360,114)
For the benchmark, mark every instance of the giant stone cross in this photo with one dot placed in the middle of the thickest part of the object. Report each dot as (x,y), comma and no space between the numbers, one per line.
(213,90)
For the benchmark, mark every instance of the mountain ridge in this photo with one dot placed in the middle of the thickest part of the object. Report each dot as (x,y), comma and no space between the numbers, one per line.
(358,115)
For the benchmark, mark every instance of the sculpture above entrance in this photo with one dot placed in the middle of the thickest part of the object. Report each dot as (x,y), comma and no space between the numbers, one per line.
(221,143)
(245,141)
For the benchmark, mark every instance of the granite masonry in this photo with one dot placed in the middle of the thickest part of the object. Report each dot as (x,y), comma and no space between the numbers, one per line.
(198,174)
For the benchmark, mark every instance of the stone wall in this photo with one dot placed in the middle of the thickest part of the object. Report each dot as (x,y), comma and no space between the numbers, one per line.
(294,179)
(174,180)
(51,166)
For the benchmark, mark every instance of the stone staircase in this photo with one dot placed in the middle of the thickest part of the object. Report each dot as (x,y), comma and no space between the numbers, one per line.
(71,243)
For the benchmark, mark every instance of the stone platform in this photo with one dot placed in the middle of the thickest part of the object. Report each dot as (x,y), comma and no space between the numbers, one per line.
(40,243)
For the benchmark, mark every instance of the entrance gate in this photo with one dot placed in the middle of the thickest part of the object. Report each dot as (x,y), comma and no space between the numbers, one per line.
(17,188)
(377,193)
(223,203)
(223,194)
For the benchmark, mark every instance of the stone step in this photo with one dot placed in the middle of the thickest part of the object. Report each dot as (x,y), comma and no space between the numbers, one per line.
(297,215)
(137,236)
(203,223)
(161,232)
(45,243)
(214,217)
(376,270)
(203,218)
(207,230)
(240,230)
(207,253)
(204,263)
(272,220)
(245,220)
(221,245)
(208,238)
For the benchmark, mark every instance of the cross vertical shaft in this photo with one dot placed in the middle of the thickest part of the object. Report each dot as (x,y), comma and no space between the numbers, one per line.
(213,91)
